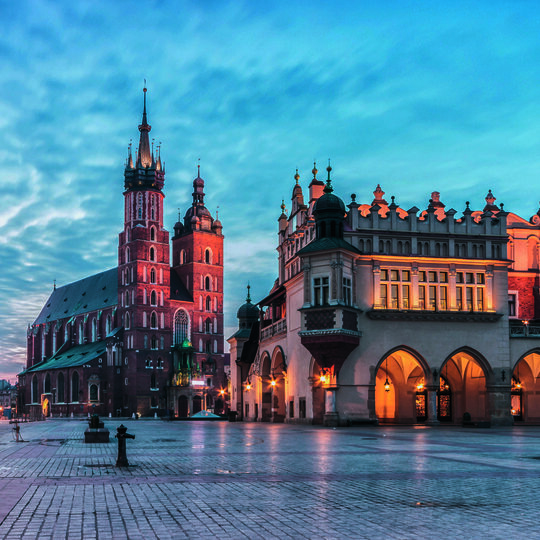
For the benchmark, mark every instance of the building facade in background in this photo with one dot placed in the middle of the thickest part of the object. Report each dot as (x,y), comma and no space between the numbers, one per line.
(145,337)
(381,314)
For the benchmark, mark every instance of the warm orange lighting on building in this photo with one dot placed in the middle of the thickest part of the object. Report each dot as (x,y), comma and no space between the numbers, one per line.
(420,387)
(322,378)
(387,385)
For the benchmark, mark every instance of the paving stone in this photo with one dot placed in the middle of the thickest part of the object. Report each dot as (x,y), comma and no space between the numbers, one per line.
(235,480)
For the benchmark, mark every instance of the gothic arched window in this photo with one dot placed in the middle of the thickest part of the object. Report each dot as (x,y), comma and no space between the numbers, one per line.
(152,254)
(153,320)
(60,387)
(208,256)
(153,298)
(181,326)
(75,387)
(152,275)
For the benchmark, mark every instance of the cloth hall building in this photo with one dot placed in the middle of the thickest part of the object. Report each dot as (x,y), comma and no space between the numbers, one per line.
(386,314)
(145,337)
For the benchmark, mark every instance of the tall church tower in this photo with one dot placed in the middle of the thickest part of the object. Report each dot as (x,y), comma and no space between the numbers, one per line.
(144,276)
(197,248)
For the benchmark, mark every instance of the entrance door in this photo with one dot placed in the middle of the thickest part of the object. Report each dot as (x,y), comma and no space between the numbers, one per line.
(182,407)
(196,404)
(444,401)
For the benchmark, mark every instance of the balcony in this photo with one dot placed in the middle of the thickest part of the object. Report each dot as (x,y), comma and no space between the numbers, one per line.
(524,330)
(330,333)
(274,329)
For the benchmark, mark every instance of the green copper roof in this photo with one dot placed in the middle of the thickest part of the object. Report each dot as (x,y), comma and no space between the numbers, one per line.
(76,356)
(327,244)
(89,294)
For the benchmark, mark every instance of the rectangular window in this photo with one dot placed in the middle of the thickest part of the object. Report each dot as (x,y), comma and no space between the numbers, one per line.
(405,275)
(512,304)
(291,409)
(443,292)
(480,279)
(347,291)
(395,296)
(422,296)
(470,277)
(432,298)
(480,299)
(384,299)
(459,277)
(394,275)
(469,293)
(405,296)
(432,277)
(459,298)
(321,291)
(384,275)
(421,276)
(443,277)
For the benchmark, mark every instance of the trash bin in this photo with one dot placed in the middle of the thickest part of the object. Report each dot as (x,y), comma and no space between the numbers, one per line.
(232,416)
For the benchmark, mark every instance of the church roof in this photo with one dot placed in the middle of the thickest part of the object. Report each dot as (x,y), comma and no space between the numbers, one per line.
(95,292)
(73,357)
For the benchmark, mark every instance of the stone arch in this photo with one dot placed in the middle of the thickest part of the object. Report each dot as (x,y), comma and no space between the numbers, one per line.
(466,373)
(525,387)
(266,389)
(399,383)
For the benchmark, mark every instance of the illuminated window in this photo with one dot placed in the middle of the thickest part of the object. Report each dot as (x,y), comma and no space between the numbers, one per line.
(422,297)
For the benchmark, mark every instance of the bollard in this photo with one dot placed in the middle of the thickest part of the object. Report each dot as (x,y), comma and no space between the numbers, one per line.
(121,435)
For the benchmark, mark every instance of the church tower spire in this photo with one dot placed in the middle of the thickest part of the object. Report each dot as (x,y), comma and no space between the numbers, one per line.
(144,159)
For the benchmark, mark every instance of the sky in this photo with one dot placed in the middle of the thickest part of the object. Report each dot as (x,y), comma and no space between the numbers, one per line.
(415,96)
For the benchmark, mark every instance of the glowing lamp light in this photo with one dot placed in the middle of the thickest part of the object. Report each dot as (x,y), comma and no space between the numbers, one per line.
(518,386)
(248,387)
(420,387)
(387,385)
(222,392)
(322,378)
(273,382)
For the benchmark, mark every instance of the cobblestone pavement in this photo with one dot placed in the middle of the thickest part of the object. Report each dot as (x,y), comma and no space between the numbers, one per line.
(235,480)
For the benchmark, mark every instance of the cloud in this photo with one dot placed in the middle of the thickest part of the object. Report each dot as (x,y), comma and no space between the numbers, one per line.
(416,97)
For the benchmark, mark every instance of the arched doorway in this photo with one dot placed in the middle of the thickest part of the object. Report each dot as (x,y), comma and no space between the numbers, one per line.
(266,394)
(197,404)
(525,392)
(46,406)
(400,393)
(277,386)
(462,388)
(182,407)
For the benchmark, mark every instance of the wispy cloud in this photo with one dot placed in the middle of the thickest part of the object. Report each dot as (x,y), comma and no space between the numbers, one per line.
(416,97)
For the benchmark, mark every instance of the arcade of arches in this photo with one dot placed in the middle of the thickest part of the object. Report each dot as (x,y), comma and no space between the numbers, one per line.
(406,391)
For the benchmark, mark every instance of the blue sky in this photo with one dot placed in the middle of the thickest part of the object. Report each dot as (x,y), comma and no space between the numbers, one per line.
(416,96)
